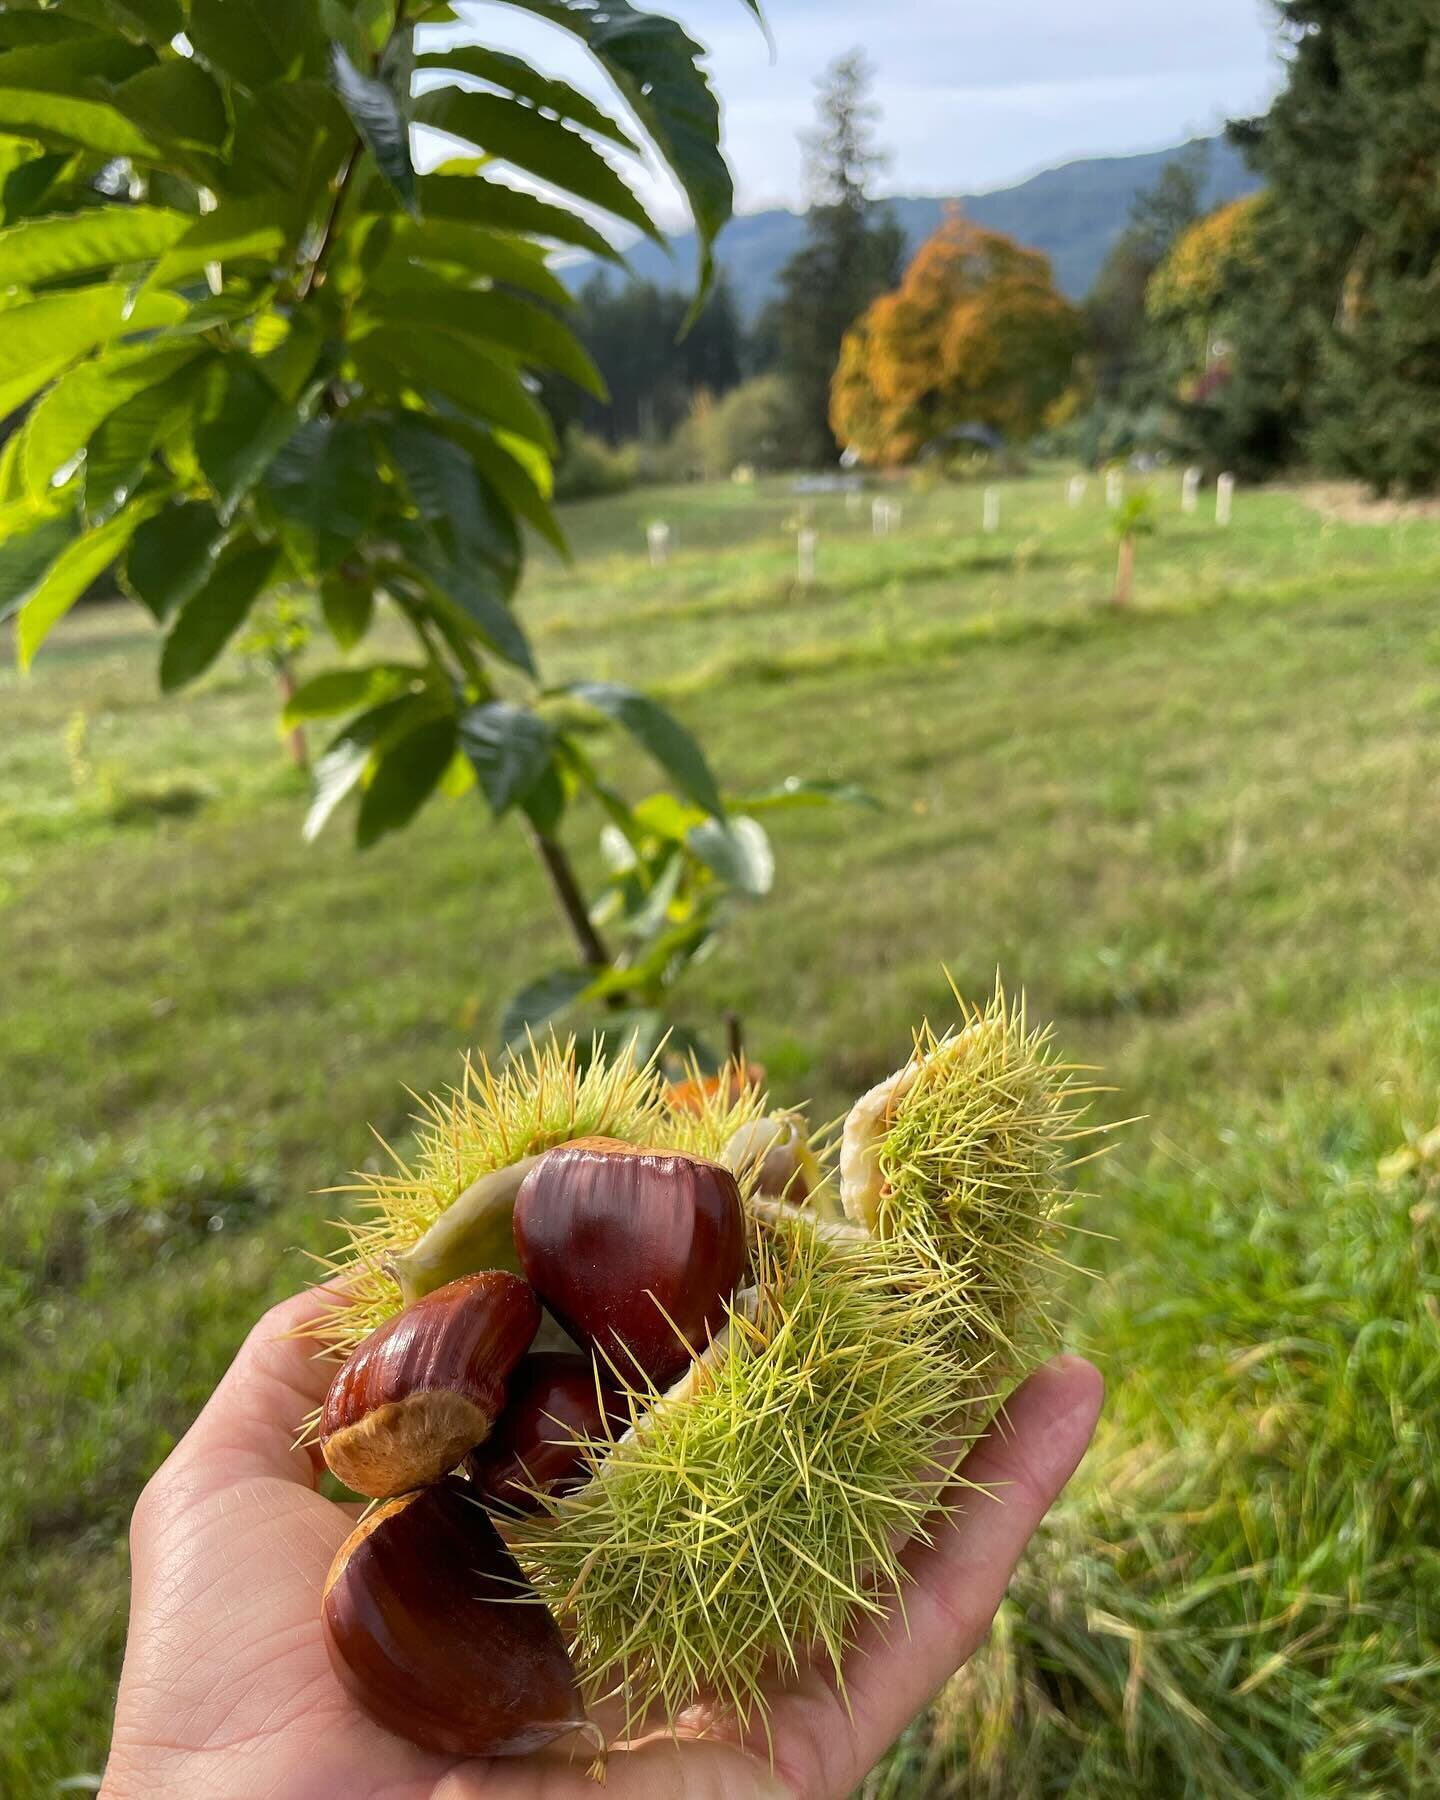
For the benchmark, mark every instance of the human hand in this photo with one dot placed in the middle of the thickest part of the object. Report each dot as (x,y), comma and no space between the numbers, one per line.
(227,1691)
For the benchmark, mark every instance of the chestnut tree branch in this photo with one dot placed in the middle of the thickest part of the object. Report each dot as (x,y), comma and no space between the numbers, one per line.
(559,868)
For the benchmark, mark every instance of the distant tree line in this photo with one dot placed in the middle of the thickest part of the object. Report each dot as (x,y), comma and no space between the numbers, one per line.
(1297,328)
(676,388)
(651,365)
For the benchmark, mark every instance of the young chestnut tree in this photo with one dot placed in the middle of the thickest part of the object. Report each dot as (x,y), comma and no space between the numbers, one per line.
(252,351)
(1133,519)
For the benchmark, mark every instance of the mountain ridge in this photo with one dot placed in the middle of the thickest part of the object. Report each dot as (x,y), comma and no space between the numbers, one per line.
(1073,212)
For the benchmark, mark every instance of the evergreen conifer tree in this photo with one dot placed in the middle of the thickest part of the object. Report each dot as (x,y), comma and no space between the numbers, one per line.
(854,251)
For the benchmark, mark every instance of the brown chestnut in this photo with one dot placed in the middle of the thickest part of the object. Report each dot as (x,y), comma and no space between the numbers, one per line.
(429,1630)
(635,1251)
(427,1385)
(556,1403)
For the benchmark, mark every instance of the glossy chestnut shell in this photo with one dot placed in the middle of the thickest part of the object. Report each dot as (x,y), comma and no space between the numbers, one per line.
(556,1403)
(635,1251)
(428,1385)
(429,1631)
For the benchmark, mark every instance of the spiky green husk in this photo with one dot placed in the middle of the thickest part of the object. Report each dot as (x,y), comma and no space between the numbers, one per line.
(492,1119)
(971,1168)
(761,1520)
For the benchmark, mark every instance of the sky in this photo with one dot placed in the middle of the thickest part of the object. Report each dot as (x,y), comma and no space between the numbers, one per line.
(974,93)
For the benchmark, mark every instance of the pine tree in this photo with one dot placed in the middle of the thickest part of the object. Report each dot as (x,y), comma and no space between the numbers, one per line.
(652,366)
(1115,307)
(854,251)
(1338,341)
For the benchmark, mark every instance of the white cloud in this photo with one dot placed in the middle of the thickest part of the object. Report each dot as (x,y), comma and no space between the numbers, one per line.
(975,93)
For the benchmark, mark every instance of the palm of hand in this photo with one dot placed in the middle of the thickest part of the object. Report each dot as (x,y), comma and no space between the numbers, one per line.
(227,1690)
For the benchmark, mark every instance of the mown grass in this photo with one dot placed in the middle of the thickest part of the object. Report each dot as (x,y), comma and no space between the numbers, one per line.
(1202,835)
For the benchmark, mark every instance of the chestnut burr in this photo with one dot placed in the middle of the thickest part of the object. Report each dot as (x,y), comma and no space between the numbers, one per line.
(635,1251)
(428,1385)
(433,1631)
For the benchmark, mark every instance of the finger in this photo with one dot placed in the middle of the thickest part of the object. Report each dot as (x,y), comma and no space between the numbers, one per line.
(959,1579)
(249,1424)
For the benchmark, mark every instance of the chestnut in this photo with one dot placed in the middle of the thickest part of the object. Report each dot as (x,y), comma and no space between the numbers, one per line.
(635,1251)
(556,1403)
(427,1385)
(430,1631)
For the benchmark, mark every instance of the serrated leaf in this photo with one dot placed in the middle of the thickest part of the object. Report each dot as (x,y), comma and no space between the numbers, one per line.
(479,383)
(27,550)
(448,494)
(510,748)
(652,905)
(28,178)
(78,124)
(286,351)
(511,479)
(536,463)
(23,29)
(255,41)
(177,102)
(346,757)
(656,66)
(157,21)
(666,816)
(117,457)
(662,735)
(538,145)
(36,250)
(83,560)
(336,774)
(375,113)
(213,614)
(323,485)
(289,142)
(502,256)
(407,772)
(338,691)
(796,791)
(534,336)
(171,557)
(738,852)
(348,607)
(664,957)
(479,602)
(71,67)
(474,200)
(44,334)
(62,421)
(244,425)
(523,79)
(375,20)
(542,1001)
(12,488)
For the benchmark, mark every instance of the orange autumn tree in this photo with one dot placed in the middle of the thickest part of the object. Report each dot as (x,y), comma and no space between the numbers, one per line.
(975,333)
(1190,295)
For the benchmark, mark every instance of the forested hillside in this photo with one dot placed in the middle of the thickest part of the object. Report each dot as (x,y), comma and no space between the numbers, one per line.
(1074,214)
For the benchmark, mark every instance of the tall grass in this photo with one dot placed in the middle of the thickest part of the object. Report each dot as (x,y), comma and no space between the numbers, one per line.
(1242,1594)
(1202,836)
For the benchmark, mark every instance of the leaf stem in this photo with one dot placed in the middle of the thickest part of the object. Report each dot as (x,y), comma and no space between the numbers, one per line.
(315,273)
(561,871)
(342,187)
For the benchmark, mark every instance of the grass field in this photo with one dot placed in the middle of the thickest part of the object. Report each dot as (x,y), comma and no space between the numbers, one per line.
(1203,835)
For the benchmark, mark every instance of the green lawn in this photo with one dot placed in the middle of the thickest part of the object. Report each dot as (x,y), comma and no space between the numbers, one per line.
(1204,836)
